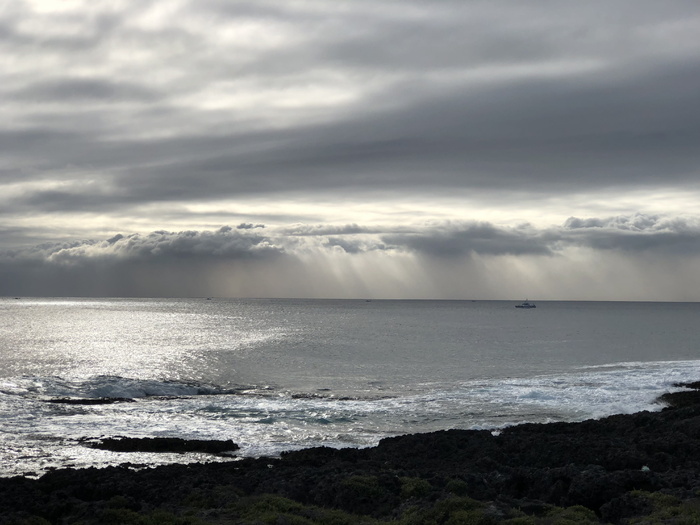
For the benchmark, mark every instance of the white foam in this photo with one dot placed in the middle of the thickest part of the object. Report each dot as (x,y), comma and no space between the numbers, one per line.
(591,392)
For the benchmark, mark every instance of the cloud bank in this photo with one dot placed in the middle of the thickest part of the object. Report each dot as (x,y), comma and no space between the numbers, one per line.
(460,260)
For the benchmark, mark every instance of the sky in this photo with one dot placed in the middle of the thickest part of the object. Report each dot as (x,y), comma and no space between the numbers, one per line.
(408,149)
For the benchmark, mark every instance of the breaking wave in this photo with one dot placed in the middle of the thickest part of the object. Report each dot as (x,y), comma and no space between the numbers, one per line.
(108,387)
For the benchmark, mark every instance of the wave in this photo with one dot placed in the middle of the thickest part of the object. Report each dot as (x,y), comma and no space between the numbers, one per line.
(691,365)
(104,389)
(108,387)
(590,392)
(622,386)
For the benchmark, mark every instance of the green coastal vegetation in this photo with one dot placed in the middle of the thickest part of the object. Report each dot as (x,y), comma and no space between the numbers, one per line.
(422,505)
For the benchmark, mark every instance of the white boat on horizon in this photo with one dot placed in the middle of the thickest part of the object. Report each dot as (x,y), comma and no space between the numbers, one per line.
(526,304)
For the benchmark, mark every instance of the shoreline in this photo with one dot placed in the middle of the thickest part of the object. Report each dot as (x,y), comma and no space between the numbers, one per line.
(609,470)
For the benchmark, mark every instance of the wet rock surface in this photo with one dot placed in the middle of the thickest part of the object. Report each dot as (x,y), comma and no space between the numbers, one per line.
(610,470)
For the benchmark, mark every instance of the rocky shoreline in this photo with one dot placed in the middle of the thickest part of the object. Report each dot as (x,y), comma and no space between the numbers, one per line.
(635,468)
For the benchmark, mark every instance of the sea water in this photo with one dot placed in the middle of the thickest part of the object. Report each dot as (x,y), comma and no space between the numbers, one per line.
(278,375)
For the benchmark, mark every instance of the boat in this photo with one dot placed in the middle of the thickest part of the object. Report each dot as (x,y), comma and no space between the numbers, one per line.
(526,304)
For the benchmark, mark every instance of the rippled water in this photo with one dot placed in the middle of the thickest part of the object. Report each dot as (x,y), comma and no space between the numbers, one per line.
(276,375)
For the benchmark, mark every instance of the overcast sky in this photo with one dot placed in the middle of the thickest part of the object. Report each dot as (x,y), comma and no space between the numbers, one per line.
(368,148)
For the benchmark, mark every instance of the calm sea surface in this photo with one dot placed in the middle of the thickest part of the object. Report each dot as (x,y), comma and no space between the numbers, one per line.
(276,375)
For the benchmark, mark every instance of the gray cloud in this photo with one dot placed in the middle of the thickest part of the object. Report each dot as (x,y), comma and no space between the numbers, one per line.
(329,229)
(160,263)
(354,245)
(85,90)
(480,238)
(160,247)
(639,233)
(533,135)
(454,110)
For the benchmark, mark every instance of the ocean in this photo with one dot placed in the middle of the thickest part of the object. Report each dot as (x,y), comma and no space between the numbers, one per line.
(281,374)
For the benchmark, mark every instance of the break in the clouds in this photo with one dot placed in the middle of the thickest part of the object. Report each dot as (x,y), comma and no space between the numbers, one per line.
(364,148)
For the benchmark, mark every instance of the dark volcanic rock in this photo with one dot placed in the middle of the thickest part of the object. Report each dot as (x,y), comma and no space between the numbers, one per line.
(682,399)
(165,444)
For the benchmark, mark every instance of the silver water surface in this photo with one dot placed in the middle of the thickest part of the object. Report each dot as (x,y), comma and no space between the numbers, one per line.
(276,375)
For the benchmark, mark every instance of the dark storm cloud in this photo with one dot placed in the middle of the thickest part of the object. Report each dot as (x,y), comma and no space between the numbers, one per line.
(540,97)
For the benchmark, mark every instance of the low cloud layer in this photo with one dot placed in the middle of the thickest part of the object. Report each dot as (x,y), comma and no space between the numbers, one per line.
(251,260)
